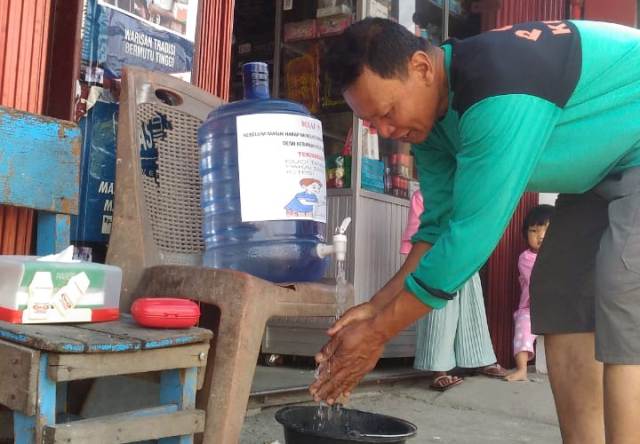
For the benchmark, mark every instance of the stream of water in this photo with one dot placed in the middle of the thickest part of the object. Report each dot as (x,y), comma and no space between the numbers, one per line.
(327,414)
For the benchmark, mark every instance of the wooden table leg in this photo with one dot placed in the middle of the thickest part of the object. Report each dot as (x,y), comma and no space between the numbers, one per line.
(62,401)
(179,387)
(28,429)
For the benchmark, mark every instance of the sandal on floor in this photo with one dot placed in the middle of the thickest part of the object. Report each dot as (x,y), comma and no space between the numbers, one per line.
(493,371)
(445,382)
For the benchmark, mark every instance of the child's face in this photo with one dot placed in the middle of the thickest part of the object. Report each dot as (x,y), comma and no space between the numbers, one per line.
(535,236)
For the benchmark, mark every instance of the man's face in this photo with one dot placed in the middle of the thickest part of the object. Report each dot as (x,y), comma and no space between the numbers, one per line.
(403,109)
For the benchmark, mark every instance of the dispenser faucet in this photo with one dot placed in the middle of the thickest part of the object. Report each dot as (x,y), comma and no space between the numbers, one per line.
(339,246)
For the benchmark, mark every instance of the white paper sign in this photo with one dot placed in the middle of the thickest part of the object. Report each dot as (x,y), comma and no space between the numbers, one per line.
(282,168)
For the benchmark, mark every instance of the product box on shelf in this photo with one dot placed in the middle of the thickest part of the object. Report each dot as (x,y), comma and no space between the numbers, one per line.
(372,175)
(401,164)
(304,30)
(399,186)
(414,186)
(455,6)
(328,5)
(378,8)
(370,141)
(333,10)
(334,25)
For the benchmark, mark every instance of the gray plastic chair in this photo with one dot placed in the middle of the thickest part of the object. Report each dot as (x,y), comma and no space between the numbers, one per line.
(156,238)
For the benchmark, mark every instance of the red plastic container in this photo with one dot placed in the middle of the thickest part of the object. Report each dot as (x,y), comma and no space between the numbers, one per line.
(165,312)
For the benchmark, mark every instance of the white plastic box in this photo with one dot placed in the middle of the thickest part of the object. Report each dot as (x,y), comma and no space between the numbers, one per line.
(34,292)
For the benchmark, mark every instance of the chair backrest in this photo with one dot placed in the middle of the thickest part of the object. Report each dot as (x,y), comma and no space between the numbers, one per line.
(157,217)
(39,169)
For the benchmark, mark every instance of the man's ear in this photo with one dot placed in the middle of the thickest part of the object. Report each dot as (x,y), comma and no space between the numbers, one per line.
(422,64)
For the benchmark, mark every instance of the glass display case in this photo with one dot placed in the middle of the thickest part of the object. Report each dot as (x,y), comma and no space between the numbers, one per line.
(303,32)
(369,178)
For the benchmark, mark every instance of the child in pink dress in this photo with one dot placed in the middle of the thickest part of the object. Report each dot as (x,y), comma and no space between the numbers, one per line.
(533,229)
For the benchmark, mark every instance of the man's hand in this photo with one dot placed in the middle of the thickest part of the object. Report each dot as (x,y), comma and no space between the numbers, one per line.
(354,315)
(352,352)
(357,343)
(358,313)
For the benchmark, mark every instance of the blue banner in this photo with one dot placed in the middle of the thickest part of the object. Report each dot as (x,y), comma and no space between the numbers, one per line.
(131,42)
(97,174)
(116,39)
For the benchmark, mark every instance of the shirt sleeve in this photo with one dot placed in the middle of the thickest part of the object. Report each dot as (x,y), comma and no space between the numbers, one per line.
(436,168)
(502,138)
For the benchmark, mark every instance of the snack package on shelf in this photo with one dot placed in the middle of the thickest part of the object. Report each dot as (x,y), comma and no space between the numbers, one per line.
(339,171)
(339,166)
(302,80)
(331,98)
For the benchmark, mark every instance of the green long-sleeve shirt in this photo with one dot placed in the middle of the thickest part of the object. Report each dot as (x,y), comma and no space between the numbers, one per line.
(548,107)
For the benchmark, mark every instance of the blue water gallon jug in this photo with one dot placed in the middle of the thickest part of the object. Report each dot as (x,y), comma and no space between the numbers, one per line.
(263,185)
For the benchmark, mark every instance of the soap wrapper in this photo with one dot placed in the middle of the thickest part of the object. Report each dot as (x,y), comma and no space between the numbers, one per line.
(71,294)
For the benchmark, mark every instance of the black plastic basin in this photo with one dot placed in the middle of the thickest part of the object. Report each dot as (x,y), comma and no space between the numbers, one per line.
(301,426)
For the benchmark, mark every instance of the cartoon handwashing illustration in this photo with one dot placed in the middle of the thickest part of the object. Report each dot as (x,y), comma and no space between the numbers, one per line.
(303,203)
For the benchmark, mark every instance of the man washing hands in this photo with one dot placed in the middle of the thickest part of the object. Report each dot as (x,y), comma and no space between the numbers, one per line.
(549,106)
(358,337)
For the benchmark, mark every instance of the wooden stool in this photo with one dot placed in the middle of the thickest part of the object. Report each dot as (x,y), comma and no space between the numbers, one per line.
(37,361)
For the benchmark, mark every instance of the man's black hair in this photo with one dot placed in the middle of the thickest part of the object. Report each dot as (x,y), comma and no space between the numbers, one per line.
(382,45)
(538,215)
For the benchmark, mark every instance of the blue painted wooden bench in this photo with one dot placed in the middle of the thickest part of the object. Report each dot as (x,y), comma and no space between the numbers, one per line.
(39,169)
(37,362)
